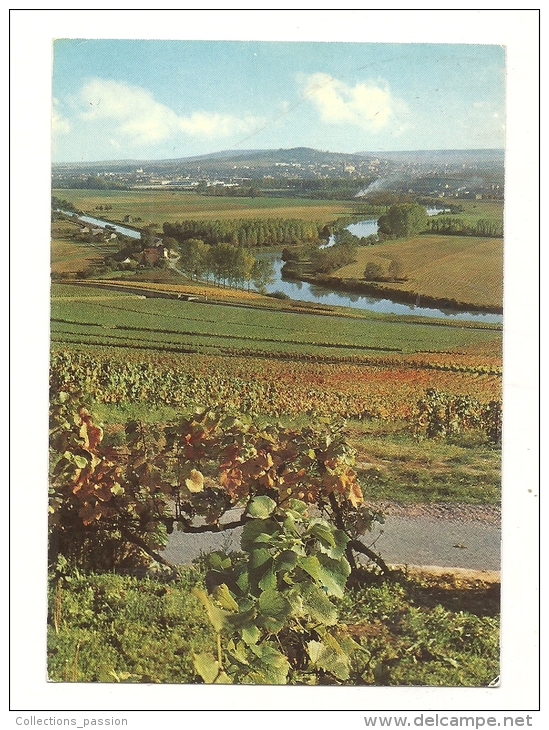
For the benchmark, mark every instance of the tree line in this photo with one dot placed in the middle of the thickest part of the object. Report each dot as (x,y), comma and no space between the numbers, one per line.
(248,233)
(458,227)
(315,260)
(224,263)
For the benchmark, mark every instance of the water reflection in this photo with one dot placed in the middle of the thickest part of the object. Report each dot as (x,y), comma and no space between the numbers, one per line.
(307,292)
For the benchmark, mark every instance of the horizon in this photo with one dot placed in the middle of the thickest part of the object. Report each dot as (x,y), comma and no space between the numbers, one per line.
(235,152)
(162,100)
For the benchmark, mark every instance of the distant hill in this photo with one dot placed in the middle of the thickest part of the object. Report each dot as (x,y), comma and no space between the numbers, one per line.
(304,171)
(297,156)
(227,160)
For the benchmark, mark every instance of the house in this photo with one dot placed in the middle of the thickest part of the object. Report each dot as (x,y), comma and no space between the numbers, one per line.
(154,254)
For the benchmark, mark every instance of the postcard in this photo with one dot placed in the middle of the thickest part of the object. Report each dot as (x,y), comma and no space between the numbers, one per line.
(277,318)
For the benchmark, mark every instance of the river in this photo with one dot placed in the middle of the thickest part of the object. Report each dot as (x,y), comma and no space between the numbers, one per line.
(114,227)
(306,292)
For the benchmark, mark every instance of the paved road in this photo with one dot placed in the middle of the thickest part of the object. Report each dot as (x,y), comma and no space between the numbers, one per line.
(416,540)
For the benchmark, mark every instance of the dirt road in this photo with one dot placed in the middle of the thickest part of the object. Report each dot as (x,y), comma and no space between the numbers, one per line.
(459,536)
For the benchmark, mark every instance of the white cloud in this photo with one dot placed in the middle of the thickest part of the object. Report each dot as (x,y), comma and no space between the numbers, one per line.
(365,105)
(59,124)
(142,120)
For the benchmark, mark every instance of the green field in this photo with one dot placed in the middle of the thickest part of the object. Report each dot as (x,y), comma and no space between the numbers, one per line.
(474,210)
(86,314)
(159,206)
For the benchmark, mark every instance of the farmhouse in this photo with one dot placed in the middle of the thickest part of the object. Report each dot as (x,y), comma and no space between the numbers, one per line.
(153,254)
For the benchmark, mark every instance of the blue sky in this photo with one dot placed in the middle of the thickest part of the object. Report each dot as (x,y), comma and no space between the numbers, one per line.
(116,99)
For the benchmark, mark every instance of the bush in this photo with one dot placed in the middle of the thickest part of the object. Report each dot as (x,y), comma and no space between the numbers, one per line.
(373,272)
(279,295)
(114,507)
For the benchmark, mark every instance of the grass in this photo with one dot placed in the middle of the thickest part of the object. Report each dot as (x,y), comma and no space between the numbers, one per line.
(68,256)
(159,206)
(416,630)
(393,466)
(465,269)
(475,210)
(84,314)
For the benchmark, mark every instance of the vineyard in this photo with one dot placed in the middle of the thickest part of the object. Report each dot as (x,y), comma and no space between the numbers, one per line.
(92,315)
(292,426)
(387,389)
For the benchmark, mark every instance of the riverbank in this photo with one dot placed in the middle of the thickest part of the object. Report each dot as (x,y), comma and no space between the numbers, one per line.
(382,290)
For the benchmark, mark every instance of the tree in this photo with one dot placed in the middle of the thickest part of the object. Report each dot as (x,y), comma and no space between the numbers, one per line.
(373,272)
(395,269)
(194,257)
(262,274)
(148,236)
(171,244)
(222,261)
(107,506)
(403,219)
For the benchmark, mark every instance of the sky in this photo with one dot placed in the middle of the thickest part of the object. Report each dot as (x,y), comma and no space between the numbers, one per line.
(138,99)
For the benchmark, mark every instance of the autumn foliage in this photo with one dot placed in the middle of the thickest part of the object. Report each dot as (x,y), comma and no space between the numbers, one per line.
(114,506)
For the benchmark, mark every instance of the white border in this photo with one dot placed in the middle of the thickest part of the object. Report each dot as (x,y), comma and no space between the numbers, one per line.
(31,34)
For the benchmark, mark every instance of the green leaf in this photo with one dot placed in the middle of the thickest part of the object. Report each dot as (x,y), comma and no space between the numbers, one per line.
(322,531)
(257,530)
(222,678)
(329,655)
(298,506)
(222,595)
(80,461)
(260,566)
(268,581)
(261,507)
(238,651)
(245,618)
(274,608)
(310,565)
(337,550)
(218,560)
(258,557)
(334,574)
(272,667)
(287,560)
(328,573)
(206,666)
(250,634)
(243,582)
(316,604)
(315,649)
(289,523)
(218,618)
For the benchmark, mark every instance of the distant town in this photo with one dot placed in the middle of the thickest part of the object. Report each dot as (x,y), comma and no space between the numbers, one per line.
(441,174)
